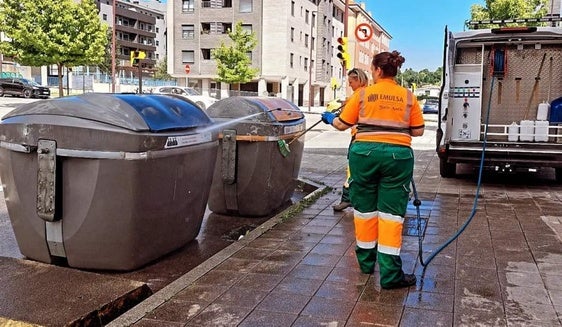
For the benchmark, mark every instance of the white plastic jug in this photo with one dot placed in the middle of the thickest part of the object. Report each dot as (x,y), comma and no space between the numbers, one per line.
(513,132)
(527,130)
(541,131)
(543,110)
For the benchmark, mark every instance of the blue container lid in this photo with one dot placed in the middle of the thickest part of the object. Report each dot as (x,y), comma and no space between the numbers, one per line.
(139,113)
(556,111)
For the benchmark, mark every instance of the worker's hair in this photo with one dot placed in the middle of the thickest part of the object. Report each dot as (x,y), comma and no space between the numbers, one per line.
(389,62)
(360,75)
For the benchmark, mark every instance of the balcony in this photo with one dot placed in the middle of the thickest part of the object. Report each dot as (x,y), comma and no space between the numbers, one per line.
(133,30)
(216,4)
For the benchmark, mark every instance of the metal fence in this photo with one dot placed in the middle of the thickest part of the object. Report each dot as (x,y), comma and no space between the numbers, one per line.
(78,79)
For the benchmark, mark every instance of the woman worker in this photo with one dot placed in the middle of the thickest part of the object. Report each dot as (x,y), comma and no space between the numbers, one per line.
(357,79)
(381,161)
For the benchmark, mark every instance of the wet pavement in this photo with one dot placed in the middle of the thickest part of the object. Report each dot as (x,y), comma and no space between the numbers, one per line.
(299,269)
(503,270)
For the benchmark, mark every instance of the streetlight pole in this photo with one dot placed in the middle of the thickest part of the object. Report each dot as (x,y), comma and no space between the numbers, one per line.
(310,89)
(113,49)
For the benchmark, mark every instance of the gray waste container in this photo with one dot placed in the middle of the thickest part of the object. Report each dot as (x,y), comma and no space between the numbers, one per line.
(252,177)
(106,181)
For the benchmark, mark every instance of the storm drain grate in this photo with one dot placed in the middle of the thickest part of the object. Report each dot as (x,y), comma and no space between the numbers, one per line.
(410,227)
(234,235)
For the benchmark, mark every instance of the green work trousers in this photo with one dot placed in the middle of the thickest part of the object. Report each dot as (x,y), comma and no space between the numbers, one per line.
(381,174)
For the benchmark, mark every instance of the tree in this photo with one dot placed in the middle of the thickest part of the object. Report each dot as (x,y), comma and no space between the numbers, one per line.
(47,32)
(161,72)
(508,9)
(105,64)
(409,77)
(233,62)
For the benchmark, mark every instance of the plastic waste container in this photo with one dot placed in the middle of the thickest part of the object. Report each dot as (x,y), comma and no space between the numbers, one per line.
(252,177)
(106,181)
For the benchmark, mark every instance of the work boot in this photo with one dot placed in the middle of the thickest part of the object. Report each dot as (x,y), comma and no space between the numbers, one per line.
(407,281)
(342,205)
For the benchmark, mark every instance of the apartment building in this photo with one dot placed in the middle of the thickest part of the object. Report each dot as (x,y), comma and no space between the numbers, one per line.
(366,38)
(295,55)
(139,25)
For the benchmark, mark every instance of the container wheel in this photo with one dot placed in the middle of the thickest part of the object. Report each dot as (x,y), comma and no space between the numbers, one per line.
(1,91)
(558,174)
(446,169)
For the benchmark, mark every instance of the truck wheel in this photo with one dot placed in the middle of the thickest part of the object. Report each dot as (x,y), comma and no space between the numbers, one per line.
(558,174)
(446,169)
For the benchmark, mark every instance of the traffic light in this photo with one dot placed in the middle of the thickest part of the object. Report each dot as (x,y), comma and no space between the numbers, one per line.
(136,56)
(342,52)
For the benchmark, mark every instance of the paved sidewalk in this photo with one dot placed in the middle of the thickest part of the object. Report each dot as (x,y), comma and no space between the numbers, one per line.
(504,270)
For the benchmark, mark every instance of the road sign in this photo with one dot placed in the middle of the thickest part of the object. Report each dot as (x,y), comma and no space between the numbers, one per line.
(187,69)
(364,32)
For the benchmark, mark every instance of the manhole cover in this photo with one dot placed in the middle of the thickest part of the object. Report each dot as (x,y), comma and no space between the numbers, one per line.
(414,226)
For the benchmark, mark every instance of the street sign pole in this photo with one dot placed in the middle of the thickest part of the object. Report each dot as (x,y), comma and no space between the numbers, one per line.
(140,76)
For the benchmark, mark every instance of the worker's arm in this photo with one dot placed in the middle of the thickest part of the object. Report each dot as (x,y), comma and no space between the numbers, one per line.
(338,124)
(417,131)
(331,119)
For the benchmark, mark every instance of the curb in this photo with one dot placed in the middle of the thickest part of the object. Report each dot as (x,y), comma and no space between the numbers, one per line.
(151,303)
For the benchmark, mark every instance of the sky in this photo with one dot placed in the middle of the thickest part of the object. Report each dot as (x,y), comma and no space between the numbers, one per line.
(418,27)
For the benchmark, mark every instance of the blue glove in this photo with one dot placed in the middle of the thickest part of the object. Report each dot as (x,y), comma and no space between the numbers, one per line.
(328,117)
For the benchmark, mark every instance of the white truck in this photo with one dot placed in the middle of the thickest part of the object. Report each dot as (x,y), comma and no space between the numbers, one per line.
(502,92)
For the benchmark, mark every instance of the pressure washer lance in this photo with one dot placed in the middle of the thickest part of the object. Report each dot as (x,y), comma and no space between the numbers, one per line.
(284,146)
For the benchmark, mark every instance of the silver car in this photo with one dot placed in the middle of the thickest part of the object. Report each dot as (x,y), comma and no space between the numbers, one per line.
(201,100)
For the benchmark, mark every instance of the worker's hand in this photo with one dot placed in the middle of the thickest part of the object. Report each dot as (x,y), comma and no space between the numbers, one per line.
(328,117)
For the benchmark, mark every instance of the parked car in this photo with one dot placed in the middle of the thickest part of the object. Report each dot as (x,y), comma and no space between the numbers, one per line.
(430,106)
(23,87)
(201,100)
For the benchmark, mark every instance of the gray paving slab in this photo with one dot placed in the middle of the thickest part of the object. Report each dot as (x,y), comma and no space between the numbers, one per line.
(48,295)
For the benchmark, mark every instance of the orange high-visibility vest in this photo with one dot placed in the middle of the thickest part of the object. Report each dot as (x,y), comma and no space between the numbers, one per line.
(384,112)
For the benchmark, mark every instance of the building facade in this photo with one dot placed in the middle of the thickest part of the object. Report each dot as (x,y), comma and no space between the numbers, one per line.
(139,26)
(295,55)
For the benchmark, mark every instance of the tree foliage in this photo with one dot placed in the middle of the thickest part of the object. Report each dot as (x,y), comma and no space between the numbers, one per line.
(410,77)
(47,32)
(161,72)
(508,9)
(233,62)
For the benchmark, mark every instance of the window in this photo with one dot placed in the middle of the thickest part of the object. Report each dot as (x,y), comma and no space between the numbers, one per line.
(247,28)
(104,16)
(306,40)
(306,14)
(187,6)
(187,56)
(187,32)
(157,29)
(205,28)
(245,5)
(312,43)
(206,54)
(157,43)
(225,27)
(292,57)
(249,54)
(305,64)
(292,34)
(293,8)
